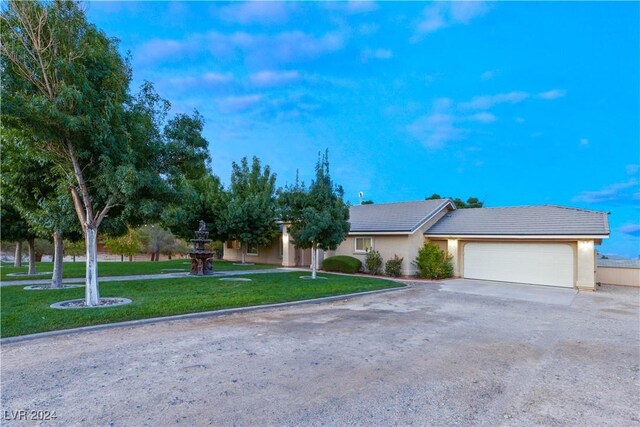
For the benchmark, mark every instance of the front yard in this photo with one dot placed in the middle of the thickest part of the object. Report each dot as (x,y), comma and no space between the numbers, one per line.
(115,268)
(27,312)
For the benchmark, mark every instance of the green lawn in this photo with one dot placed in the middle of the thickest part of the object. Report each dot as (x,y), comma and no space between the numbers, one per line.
(27,312)
(115,268)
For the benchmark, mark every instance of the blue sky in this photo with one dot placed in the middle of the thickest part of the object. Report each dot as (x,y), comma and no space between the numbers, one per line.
(515,103)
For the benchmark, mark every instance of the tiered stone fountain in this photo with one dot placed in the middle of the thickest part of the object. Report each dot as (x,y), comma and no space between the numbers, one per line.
(201,258)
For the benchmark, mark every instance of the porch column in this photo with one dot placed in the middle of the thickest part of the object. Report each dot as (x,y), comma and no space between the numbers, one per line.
(288,249)
(452,249)
(586,266)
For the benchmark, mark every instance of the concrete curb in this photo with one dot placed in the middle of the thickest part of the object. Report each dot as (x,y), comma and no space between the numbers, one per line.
(106,279)
(199,315)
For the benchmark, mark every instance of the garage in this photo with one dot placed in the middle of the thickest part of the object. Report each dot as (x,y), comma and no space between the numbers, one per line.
(550,264)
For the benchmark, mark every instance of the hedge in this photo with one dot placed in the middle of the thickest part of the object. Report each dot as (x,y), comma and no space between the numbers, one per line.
(342,264)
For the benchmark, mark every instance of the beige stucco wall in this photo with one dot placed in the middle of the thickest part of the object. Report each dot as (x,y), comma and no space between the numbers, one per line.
(388,246)
(266,255)
(623,276)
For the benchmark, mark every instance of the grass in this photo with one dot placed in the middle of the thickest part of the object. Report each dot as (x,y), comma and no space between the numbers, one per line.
(27,312)
(115,268)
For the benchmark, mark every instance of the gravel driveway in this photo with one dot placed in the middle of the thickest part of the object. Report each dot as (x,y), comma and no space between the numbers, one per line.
(433,354)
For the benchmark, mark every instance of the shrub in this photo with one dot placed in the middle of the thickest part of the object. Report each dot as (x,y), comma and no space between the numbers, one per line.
(393,267)
(373,261)
(432,263)
(342,264)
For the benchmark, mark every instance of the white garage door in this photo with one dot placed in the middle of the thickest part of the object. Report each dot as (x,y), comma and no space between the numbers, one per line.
(536,263)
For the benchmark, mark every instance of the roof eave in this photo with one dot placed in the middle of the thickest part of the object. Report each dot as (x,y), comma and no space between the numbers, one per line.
(518,236)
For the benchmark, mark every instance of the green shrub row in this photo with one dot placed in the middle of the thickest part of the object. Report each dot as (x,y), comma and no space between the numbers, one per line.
(373,264)
(342,264)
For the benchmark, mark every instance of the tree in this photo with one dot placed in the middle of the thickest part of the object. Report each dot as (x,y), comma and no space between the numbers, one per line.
(156,240)
(65,81)
(198,199)
(318,217)
(367,202)
(250,216)
(15,228)
(73,248)
(30,182)
(472,202)
(126,245)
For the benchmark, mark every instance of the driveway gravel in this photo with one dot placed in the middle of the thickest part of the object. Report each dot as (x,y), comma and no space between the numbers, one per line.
(441,353)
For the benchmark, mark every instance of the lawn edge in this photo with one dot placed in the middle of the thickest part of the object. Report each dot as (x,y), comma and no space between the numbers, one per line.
(198,315)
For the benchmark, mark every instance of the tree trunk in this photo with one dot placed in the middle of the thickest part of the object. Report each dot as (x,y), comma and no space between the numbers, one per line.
(121,257)
(92,293)
(158,255)
(18,260)
(314,260)
(242,249)
(169,257)
(74,258)
(153,255)
(130,258)
(58,255)
(32,256)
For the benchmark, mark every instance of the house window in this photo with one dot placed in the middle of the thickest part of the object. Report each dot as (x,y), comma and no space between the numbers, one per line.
(229,244)
(252,249)
(363,244)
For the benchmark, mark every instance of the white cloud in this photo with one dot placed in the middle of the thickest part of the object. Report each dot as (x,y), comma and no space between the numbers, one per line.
(632,169)
(552,94)
(238,103)
(483,117)
(206,79)
(488,101)
(487,75)
(254,12)
(381,54)
(274,78)
(438,128)
(257,49)
(440,15)
(631,229)
(584,142)
(621,192)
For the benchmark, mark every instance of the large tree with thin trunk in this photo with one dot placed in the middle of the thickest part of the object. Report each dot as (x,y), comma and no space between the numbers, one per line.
(318,216)
(65,81)
(15,228)
(250,215)
(30,182)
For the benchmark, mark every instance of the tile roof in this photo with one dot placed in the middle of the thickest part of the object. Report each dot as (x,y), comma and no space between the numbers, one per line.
(522,220)
(393,217)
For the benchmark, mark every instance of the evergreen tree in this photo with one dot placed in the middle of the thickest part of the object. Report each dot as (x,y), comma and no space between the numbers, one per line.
(318,217)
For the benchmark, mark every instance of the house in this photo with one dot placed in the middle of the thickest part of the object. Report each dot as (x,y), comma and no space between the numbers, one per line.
(543,245)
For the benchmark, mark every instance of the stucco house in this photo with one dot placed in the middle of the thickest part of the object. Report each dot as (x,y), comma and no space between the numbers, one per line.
(543,245)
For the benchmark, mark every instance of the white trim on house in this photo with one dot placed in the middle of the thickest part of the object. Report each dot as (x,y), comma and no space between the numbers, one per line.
(516,236)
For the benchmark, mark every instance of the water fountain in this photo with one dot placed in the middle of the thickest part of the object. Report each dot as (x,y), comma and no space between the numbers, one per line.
(201,257)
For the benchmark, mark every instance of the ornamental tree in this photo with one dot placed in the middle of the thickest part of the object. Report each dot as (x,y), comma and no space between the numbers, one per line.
(318,216)
(250,215)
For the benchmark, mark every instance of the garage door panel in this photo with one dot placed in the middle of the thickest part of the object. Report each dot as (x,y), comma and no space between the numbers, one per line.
(536,263)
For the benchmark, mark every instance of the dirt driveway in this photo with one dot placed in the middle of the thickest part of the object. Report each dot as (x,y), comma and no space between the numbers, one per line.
(433,354)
